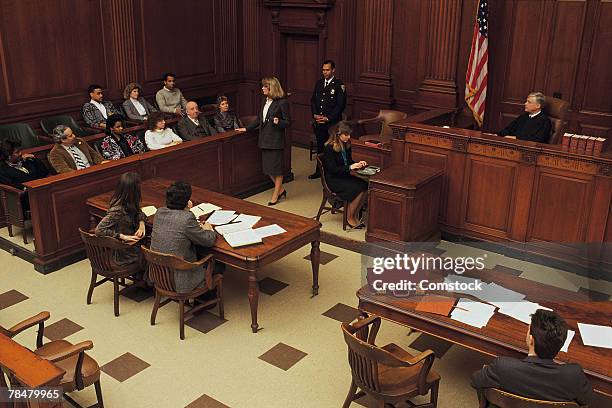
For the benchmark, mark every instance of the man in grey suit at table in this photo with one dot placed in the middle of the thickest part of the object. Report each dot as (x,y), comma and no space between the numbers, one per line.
(176,231)
(537,376)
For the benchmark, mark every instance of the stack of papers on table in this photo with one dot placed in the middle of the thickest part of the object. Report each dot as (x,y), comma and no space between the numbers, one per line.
(221,217)
(240,223)
(596,335)
(149,210)
(242,238)
(519,310)
(475,314)
(498,295)
(203,209)
(269,230)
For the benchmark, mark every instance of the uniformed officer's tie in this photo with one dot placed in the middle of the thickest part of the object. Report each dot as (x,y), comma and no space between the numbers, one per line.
(80,164)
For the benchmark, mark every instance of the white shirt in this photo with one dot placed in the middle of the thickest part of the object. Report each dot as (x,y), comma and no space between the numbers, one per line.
(328,81)
(195,121)
(532,115)
(100,107)
(141,109)
(75,150)
(156,139)
(265,109)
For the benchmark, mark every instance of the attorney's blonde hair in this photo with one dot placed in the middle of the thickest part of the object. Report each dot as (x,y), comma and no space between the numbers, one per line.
(276,90)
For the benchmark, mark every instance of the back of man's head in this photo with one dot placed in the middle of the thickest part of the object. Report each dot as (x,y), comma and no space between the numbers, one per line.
(178,195)
(549,332)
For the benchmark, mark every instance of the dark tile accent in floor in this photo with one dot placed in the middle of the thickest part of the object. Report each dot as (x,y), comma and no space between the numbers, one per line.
(10,298)
(61,329)
(507,270)
(138,294)
(124,367)
(206,402)
(283,356)
(427,342)
(271,286)
(324,258)
(594,295)
(205,321)
(342,313)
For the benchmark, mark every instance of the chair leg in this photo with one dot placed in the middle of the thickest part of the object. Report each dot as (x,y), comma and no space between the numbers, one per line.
(182,318)
(155,308)
(345,216)
(92,285)
(116,296)
(321,207)
(10,229)
(25,235)
(351,395)
(220,296)
(433,399)
(99,394)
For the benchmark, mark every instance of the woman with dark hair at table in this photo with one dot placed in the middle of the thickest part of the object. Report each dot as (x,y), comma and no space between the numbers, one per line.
(125,220)
(272,120)
(338,163)
(118,145)
(225,119)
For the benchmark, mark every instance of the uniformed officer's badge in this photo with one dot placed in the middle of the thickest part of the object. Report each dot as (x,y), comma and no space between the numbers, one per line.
(342,86)
(333,91)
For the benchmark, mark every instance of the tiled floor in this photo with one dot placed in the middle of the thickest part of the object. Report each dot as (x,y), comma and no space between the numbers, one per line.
(298,358)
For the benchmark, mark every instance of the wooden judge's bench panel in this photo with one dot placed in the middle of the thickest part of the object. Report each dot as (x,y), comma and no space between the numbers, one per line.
(228,162)
(536,198)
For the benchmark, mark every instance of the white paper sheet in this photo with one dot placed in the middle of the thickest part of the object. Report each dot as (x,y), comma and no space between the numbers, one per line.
(595,335)
(475,314)
(149,210)
(520,310)
(242,238)
(463,280)
(221,217)
(250,220)
(232,227)
(269,230)
(494,294)
(203,209)
(568,340)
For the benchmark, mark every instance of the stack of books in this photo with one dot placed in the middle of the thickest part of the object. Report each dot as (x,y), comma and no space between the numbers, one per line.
(583,144)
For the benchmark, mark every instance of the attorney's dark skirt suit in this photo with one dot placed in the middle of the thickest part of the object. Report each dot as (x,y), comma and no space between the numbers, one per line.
(271,135)
(338,174)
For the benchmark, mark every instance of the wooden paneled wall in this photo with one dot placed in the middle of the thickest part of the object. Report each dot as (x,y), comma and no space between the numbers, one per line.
(402,54)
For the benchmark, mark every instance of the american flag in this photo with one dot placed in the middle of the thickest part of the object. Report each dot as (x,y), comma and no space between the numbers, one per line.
(476,75)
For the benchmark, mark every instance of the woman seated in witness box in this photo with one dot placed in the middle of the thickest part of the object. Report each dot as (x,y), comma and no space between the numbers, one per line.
(135,106)
(225,119)
(159,136)
(125,220)
(118,145)
(338,163)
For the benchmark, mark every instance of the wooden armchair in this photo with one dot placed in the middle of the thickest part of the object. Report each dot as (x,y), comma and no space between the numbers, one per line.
(335,202)
(15,211)
(388,374)
(556,109)
(503,399)
(101,251)
(80,369)
(161,272)
(384,117)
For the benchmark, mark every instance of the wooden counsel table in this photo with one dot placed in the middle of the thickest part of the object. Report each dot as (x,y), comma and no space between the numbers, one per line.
(300,231)
(503,335)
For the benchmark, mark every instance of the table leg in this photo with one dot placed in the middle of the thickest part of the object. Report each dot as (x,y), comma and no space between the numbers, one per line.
(253,299)
(315,255)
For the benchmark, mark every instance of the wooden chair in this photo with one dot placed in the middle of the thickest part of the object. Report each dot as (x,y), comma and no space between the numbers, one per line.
(161,272)
(384,117)
(81,370)
(15,213)
(387,374)
(556,109)
(503,399)
(335,202)
(100,251)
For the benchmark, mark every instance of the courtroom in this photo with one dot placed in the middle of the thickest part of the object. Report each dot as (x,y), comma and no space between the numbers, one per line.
(305,203)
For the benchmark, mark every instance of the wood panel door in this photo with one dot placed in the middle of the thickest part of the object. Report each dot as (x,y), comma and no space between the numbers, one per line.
(301,70)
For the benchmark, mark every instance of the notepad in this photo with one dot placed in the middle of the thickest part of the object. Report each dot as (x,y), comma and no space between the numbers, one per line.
(221,217)
(441,305)
(242,238)
(595,335)
(568,340)
(520,310)
(269,230)
(203,209)
(149,210)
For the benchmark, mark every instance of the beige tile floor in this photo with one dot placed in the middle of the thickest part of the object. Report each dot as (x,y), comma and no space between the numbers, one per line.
(224,363)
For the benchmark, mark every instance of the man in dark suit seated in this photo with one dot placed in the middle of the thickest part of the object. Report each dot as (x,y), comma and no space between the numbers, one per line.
(532,125)
(194,126)
(537,376)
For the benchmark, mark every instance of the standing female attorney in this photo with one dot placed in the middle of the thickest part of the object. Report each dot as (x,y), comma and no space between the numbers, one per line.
(272,120)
